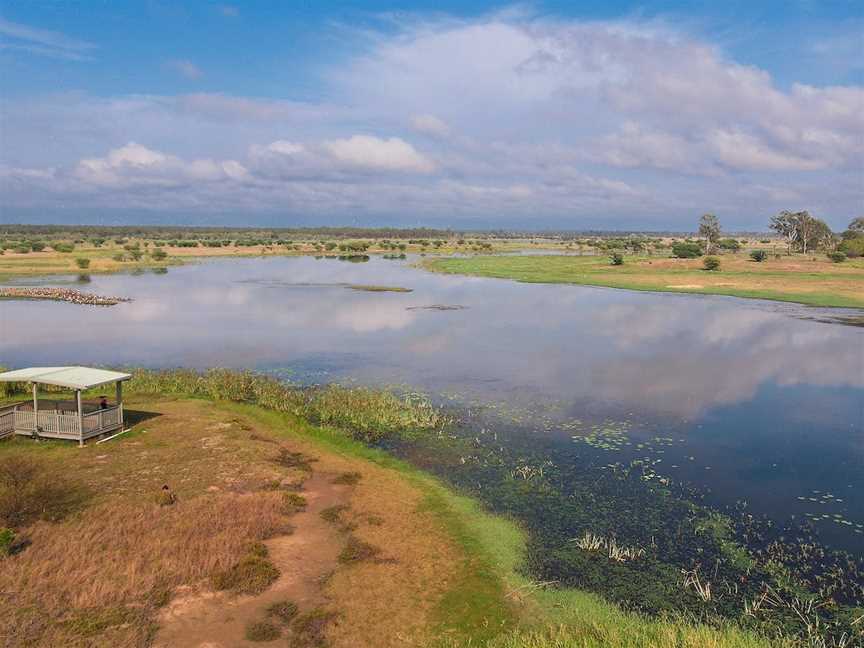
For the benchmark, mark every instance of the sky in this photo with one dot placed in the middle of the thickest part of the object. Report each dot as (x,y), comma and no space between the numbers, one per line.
(549,115)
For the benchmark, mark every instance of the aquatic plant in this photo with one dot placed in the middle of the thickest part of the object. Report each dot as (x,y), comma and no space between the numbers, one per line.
(361,412)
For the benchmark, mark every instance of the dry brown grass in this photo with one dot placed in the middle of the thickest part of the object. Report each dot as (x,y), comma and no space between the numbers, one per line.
(98,577)
(130,555)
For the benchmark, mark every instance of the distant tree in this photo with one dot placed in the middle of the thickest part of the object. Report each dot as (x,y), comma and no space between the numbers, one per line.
(857,225)
(616,258)
(822,236)
(799,229)
(684,250)
(758,255)
(784,224)
(709,229)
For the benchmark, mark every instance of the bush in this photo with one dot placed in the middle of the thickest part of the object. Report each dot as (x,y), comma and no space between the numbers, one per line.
(29,492)
(22,249)
(63,247)
(82,263)
(729,244)
(7,539)
(283,610)
(120,257)
(262,631)
(837,257)
(852,247)
(616,258)
(252,575)
(758,255)
(37,246)
(158,254)
(686,250)
(711,263)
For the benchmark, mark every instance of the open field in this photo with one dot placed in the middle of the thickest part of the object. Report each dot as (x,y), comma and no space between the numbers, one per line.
(812,280)
(268,512)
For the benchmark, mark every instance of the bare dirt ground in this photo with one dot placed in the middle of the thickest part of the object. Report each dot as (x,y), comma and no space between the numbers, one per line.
(306,559)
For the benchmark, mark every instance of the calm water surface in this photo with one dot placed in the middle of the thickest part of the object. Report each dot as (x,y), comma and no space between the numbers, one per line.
(759,401)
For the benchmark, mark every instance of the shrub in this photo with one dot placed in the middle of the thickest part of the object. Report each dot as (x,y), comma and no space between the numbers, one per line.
(852,247)
(686,250)
(283,610)
(292,502)
(120,257)
(37,246)
(348,478)
(29,492)
(262,631)
(616,258)
(837,257)
(729,244)
(158,254)
(63,247)
(711,263)
(311,627)
(758,255)
(22,249)
(356,551)
(252,575)
(82,263)
(7,538)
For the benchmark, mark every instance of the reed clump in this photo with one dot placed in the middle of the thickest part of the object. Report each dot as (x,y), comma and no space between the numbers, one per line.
(363,413)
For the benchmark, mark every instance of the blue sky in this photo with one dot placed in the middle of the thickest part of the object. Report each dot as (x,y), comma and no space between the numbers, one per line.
(557,114)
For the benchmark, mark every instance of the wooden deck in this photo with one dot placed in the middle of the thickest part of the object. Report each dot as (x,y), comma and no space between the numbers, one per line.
(56,421)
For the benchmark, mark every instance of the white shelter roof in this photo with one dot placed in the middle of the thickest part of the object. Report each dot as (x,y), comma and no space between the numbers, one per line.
(70,377)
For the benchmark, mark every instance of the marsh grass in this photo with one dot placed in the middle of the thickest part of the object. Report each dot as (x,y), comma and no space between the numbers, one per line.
(362,413)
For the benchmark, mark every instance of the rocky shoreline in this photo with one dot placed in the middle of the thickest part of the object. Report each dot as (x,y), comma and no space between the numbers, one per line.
(61,294)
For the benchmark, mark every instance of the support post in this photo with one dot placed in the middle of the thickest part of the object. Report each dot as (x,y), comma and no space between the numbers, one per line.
(35,410)
(80,418)
(118,389)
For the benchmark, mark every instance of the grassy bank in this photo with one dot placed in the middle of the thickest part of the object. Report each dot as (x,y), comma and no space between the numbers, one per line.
(807,280)
(452,574)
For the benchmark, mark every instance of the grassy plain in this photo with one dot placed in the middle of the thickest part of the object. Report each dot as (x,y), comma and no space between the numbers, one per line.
(812,280)
(443,573)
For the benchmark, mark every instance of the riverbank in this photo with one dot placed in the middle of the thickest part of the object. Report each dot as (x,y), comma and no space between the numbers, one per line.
(813,281)
(418,566)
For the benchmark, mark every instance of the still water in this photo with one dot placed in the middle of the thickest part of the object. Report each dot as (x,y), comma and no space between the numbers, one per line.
(753,400)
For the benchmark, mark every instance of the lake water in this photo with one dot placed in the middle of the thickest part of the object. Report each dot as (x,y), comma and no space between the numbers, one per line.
(742,399)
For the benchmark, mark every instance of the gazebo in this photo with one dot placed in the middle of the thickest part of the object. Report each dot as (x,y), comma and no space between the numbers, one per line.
(52,418)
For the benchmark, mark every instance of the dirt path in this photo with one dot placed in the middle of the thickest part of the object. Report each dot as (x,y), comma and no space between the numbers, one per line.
(306,558)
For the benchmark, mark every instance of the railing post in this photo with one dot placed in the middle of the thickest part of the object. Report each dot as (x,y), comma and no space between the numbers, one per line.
(80,418)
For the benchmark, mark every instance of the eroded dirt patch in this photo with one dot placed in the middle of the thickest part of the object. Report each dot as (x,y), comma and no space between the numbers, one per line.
(305,559)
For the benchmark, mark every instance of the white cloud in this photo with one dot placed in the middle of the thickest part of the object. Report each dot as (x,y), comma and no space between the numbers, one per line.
(43,42)
(366,151)
(523,118)
(185,68)
(430,125)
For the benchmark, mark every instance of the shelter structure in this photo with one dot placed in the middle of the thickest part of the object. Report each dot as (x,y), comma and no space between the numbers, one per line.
(57,418)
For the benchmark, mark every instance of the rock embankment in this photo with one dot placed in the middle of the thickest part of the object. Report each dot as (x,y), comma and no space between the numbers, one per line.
(61,294)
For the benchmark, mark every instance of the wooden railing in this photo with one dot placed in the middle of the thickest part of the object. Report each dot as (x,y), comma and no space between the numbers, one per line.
(102,419)
(50,423)
(7,422)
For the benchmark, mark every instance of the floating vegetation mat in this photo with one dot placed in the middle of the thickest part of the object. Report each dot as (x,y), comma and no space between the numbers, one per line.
(60,294)
(438,307)
(604,513)
(276,283)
